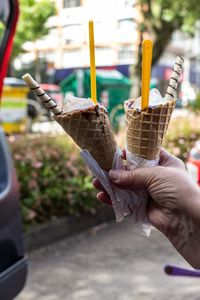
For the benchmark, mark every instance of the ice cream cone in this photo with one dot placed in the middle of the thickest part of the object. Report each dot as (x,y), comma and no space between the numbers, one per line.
(146,129)
(91,130)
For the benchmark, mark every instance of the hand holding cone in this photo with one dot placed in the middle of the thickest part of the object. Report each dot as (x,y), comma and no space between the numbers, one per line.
(90,128)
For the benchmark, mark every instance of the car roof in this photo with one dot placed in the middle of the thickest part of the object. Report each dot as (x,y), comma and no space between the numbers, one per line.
(13,81)
(47,86)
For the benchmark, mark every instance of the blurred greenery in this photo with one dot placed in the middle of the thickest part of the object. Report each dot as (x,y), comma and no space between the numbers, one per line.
(182,135)
(53,178)
(2,28)
(162,17)
(195,105)
(31,26)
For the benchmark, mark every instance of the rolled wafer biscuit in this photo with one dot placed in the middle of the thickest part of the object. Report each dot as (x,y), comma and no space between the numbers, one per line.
(40,93)
(173,83)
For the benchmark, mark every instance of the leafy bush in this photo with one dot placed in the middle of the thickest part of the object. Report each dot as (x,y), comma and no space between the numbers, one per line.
(182,134)
(53,178)
(195,105)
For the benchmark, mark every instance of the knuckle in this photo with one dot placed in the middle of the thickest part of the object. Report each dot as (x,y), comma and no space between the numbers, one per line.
(180,163)
(127,176)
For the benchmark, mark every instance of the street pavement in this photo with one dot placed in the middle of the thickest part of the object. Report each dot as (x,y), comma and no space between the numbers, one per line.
(109,262)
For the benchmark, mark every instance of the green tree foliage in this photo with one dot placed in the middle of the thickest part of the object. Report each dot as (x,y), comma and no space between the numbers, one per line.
(31,25)
(160,19)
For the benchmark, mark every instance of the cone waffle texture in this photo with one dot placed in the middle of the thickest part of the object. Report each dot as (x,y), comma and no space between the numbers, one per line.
(91,130)
(146,129)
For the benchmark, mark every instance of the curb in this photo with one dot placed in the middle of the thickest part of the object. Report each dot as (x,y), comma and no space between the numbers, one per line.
(61,228)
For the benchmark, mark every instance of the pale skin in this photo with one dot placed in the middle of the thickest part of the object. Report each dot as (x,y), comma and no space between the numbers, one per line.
(174,202)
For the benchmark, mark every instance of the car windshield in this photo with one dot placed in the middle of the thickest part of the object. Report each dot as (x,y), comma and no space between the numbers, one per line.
(52,91)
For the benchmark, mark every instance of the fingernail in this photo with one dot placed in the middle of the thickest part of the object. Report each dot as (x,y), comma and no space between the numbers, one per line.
(114,175)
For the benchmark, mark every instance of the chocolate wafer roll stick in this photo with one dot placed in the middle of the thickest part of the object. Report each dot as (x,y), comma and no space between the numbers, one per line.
(173,83)
(40,93)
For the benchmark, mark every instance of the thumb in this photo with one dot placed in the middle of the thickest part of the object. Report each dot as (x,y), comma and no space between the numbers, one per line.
(168,160)
(134,179)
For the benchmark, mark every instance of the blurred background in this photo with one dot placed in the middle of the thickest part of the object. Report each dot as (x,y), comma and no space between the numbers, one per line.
(57,197)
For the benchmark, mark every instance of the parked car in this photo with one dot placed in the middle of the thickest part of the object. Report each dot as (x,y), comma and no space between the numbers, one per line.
(53,91)
(13,261)
(193,163)
(14,105)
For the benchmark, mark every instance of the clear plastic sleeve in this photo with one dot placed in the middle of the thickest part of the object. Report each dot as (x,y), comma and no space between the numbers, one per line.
(124,202)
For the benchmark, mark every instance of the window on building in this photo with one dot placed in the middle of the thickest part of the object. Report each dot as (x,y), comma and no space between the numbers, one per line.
(125,53)
(73,33)
(129,3)
(68,41)
(127,24)
(71,3)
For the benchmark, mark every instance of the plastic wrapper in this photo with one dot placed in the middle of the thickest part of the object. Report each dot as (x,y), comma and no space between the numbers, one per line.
(124,202)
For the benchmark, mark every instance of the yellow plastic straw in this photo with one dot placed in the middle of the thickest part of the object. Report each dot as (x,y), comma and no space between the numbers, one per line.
(92,63)
(147,48)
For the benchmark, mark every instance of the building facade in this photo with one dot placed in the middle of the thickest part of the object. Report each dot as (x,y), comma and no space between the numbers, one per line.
(66,47)
(115,33)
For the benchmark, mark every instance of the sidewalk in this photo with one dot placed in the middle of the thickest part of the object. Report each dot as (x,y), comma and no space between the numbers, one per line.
(114,263)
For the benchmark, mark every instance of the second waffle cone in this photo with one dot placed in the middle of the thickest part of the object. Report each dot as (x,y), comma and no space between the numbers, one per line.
(90,129)
(146,129)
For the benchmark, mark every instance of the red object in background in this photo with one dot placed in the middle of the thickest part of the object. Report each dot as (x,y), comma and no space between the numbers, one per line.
(107,68)
(193,163)
(168,73)
(7,42)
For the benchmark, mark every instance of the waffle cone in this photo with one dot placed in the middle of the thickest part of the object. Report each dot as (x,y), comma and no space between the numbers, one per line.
(146,129)
(90,129)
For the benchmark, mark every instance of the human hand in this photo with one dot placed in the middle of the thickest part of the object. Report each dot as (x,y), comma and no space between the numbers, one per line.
(174,202)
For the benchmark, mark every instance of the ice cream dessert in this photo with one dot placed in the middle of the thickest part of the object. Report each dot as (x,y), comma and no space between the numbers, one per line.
(88,125)
(147,128)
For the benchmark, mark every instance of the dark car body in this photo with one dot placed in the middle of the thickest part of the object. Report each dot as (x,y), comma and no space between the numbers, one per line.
(53,91)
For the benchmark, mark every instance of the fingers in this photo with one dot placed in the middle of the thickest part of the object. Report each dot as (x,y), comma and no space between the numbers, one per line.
(164,156)
(103,197)
(168,160)
(97,184)
(134,180)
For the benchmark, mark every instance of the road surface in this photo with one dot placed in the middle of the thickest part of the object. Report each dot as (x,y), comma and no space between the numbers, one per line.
(114,263)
